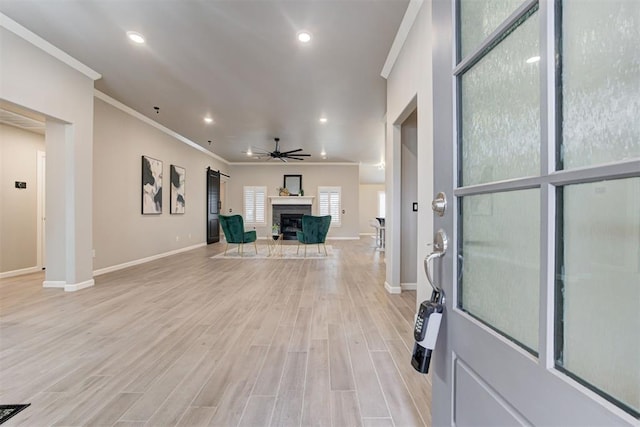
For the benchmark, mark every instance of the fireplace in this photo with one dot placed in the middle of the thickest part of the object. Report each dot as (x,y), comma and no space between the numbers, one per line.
(289,219)
(289,225)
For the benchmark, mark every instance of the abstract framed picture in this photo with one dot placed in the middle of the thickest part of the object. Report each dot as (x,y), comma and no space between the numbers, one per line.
(176,205)
(151,186)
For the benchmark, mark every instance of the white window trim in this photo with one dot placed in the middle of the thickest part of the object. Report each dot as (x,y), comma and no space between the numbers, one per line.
(336,220)
(248,216)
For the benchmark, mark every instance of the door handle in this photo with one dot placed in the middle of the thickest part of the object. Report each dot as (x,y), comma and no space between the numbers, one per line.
(429,258)
(440,243)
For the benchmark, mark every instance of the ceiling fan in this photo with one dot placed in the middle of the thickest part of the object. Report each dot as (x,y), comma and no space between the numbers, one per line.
(282,155)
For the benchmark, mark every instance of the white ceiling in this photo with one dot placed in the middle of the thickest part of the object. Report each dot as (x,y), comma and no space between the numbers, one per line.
(238,61)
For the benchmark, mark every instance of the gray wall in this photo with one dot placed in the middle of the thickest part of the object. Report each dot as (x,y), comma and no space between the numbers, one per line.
(313,176)
(121,233)
(18,207)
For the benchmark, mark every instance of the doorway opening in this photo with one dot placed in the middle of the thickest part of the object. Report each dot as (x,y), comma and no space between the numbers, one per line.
(22,203)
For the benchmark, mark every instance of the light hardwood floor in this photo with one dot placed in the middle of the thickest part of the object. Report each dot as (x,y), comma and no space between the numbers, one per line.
(193,341)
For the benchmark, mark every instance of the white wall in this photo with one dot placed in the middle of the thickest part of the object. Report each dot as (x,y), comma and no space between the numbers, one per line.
(121,233)
(62,90)
(369,206)
(18,207)
(409,86)
(313,176)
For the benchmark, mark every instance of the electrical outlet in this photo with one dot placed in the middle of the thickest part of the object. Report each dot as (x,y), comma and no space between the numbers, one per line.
(93,253)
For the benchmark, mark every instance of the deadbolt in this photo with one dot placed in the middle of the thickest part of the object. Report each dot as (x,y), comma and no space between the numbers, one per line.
(439,204)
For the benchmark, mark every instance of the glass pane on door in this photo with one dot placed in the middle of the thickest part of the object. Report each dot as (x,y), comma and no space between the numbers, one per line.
(500,105)
(600,81)
(598,307)
(478,19)
(500,256)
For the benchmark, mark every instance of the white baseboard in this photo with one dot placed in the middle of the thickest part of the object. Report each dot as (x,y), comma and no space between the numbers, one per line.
(392,289)
(20,272)
(144,260)
(368,234)
(77,286)
(54,284)
(408,286)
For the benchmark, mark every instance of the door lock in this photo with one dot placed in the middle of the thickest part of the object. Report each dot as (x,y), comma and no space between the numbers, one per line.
(439,204)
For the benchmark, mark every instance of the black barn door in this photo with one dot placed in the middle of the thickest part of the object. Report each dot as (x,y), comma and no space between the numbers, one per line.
(213,205)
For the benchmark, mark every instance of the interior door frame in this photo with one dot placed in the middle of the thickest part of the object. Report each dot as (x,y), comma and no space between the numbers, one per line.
(213,174)
(443,90)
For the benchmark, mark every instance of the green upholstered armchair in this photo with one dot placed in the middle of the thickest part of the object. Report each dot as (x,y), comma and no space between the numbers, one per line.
(314,231)
(233,227)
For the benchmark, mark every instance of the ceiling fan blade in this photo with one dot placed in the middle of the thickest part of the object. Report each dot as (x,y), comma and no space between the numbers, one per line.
(292,151)
(294,158)
(302,154)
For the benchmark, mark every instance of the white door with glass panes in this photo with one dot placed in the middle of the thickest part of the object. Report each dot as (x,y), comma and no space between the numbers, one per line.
(537,148)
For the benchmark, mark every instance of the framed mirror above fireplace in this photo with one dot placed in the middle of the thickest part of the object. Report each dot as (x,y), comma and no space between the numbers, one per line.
(293,183)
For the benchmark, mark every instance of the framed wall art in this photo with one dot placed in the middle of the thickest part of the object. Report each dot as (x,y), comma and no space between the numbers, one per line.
(151,186)
(177,203)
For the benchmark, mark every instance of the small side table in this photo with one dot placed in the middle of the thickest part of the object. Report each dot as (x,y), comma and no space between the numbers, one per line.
(274,243)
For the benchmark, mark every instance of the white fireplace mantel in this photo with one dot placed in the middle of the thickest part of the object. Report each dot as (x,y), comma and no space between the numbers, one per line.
(291,200)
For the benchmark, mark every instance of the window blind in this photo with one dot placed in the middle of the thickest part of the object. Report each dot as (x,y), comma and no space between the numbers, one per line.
(329,202)
(255,199)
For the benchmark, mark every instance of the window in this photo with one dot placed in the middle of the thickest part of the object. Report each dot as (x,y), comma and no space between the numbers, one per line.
(329,203)
(382,200)
(255,205)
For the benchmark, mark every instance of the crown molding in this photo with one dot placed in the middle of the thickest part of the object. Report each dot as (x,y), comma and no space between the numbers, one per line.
(20,31)
(401,36)
(120,106)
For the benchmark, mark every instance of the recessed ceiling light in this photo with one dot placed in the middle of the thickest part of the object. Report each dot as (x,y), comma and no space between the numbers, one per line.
(323,153)
(533,59)
(304,37)
(249,152)
(323,119)
(208,120)
(135,37)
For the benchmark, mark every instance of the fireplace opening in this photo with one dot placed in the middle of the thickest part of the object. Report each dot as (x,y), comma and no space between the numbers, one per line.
(290,223)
